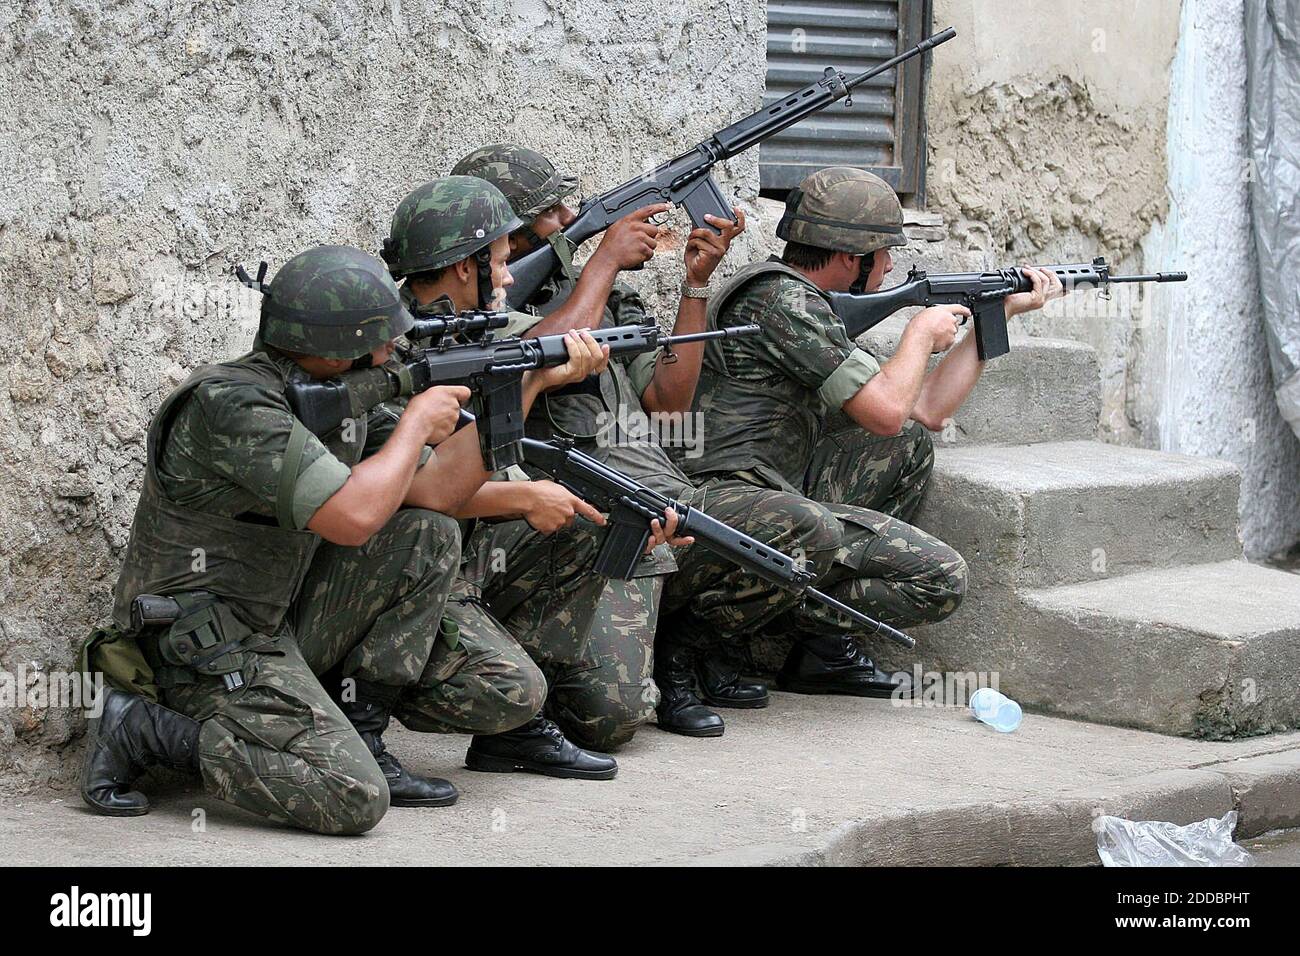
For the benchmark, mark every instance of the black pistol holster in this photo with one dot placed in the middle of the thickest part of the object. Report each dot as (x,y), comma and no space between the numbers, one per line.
(202,636)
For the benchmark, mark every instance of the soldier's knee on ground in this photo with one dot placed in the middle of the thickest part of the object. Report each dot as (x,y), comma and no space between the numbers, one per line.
(602,717)
(359,809)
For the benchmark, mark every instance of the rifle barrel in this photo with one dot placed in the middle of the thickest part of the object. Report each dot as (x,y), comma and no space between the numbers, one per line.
(943,36)
(1158,277)
(881,627)
(726,333)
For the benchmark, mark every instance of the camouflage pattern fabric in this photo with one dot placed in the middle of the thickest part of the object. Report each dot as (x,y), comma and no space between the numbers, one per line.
(478,680)
(843,208)
(445,221)
(764,399)
(280,748)
(888,474)
(376,609)
(591,637)
(332,301)
(527,178)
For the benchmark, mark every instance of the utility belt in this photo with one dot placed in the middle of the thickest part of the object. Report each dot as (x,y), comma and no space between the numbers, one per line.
(173,640)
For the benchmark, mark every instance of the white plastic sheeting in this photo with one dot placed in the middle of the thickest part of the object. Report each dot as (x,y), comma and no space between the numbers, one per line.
(1272,31)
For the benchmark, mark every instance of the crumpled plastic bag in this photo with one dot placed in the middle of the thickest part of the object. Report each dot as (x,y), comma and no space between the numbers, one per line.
(1123,842)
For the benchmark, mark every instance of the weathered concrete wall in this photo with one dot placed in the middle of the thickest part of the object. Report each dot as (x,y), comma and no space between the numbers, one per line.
(1208,389)
(1047,144)
(1053,138)
(149,144)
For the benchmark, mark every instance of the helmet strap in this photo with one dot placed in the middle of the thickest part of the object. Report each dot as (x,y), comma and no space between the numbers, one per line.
(865,265)
(483,264)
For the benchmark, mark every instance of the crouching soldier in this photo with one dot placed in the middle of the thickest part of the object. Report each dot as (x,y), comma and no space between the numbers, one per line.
(804,409)
(449,245)
(289,555)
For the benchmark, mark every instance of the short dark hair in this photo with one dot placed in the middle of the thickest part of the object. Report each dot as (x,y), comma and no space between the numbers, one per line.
(806,257)
(430,275)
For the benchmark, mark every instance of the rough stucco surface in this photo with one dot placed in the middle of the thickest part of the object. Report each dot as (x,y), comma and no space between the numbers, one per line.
(1061,143)
(1046,144)
(149,145)
(1210,388)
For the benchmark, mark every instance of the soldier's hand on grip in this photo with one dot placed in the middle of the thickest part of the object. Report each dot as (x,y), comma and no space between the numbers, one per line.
(436,410)
(941,323)
(631,241)
(550,507)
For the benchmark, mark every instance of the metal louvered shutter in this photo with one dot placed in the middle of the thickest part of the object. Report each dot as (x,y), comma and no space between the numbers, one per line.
(883,130)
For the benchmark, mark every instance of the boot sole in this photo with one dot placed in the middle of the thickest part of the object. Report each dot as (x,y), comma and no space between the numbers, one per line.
(486,763)
(757,703)
(433,802)
(706,732)
(106,812)
(796,687)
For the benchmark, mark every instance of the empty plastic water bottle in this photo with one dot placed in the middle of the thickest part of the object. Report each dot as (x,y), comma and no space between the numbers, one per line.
(997,710)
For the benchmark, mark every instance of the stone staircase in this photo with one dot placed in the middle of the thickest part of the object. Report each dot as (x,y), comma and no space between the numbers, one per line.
(1106,582)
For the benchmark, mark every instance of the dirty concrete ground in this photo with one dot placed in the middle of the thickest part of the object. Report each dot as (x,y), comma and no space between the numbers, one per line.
(775,787)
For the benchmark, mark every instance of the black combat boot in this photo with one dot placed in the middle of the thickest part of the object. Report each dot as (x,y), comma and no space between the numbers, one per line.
(132,734)
(539,746)
(370,714)
(721,684)
(836,664)
(679,710)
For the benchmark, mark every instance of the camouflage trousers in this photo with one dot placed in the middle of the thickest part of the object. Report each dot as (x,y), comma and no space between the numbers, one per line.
(280,747)
(594,637)
(883,566)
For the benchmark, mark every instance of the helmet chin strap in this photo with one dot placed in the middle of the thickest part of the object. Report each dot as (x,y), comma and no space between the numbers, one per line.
(865,265)
(483,263)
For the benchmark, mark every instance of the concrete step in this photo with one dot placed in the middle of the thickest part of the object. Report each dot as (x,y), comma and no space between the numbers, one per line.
(1042,390)
(1065,512)
(1206,650)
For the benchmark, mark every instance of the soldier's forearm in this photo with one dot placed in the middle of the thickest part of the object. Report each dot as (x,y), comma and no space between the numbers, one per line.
(586,304)
(949,385)
(451,477)
(673,387)
(373,492)
(497,499)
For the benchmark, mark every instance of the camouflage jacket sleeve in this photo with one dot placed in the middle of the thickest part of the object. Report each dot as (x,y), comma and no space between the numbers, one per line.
(226,447)
(808,341)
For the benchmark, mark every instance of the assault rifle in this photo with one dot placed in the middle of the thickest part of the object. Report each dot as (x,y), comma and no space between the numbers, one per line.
(493,369)
(984,293)
(631,507)
(687,180)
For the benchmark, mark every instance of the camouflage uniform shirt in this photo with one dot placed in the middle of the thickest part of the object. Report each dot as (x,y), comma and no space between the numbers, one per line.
(765,399)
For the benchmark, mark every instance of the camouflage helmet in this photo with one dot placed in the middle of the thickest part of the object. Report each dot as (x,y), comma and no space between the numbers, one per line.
(845,209)
(332,301)
(529,180)
(445,221)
